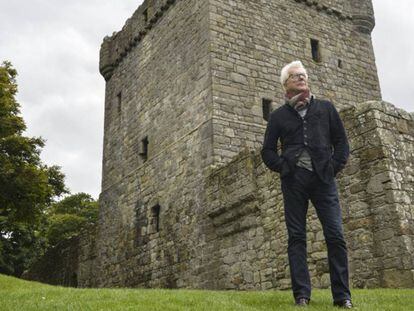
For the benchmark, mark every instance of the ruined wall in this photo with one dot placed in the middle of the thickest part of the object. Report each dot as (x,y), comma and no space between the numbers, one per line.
(248,239)
(244,239)
(252,40)
(87,258)
(377,187)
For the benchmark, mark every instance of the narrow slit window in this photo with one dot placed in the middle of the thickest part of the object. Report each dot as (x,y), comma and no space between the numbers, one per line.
(340,63)
(144,149)
(119,102)
(155,218)
(266,107)
(145,14)
(316,51)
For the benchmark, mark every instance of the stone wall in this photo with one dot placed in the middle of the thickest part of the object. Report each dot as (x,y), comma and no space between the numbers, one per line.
(252,40)
(377,188)
(87,261)
(242,239)
(248,239)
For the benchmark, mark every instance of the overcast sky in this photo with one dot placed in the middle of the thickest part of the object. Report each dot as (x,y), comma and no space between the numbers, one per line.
(54,45)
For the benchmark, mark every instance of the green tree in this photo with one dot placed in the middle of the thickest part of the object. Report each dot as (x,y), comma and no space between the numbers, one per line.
(27,186)
(68,217)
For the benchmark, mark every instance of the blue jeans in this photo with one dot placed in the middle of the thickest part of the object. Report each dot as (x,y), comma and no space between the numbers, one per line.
(298,188)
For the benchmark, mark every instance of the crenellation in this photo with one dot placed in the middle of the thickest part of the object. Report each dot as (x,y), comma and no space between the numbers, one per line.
(116,47)
(136,28)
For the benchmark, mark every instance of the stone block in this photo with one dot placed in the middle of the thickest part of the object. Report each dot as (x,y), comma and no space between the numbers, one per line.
(393,278)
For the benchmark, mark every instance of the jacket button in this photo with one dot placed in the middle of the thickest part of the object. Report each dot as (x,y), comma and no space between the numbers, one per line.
(306,143)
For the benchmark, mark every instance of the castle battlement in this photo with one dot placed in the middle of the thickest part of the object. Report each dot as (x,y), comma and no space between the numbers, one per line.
(117,46)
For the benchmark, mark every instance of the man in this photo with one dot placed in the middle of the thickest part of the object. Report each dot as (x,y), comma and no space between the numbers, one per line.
(314,150)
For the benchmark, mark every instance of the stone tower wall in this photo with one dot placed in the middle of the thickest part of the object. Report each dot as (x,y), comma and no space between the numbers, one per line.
(252,40)
(160,89)
(190,75)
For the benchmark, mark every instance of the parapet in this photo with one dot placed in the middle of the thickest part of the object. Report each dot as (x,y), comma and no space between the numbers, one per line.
(117,46)
(363,15)
(359,11)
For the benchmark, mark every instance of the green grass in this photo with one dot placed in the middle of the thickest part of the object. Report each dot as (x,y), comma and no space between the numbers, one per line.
(16,294)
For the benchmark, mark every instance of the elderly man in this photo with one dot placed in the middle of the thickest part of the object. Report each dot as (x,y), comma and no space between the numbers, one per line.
(314,150)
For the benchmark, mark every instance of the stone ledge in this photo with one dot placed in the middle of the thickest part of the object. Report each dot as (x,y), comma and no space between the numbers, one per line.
(381,106)
(229,212)
(236,217)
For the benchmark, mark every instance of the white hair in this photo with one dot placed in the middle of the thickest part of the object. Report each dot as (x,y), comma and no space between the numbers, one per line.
(284,73)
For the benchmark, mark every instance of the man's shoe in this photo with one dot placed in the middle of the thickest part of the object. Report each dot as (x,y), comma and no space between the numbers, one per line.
(302,302)
(344,304)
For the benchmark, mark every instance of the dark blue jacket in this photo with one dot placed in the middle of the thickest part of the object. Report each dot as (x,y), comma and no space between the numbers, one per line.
(321,132)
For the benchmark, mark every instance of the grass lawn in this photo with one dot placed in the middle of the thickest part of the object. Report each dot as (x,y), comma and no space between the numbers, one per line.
(16,294)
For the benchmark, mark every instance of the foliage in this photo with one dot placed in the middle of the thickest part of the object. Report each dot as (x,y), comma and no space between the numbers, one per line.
(36,296)
(81,204)
(27,186)
(19,248)
(69,216)
(63,227)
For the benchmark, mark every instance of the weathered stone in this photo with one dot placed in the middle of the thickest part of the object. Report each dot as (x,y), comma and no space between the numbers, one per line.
(398,278)
(196,207)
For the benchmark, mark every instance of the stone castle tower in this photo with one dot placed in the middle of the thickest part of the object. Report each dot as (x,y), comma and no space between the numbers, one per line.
(186,200)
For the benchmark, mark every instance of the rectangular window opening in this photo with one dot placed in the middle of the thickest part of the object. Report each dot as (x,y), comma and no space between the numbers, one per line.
(340,63)
(267,108)
(144,149)
(316,52)
(155,218)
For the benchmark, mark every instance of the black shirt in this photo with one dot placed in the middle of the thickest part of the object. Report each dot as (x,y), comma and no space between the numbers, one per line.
(320,132)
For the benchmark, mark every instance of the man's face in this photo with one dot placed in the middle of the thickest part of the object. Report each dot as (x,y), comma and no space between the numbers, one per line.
(296,82)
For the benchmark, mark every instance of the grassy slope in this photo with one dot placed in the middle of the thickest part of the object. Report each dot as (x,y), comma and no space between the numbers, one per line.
(19,295)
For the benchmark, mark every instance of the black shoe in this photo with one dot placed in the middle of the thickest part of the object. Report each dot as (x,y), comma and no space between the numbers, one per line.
(302,302)
(344,304)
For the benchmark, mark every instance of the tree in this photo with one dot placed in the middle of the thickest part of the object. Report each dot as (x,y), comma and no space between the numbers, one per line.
(68,217)
(27,186)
